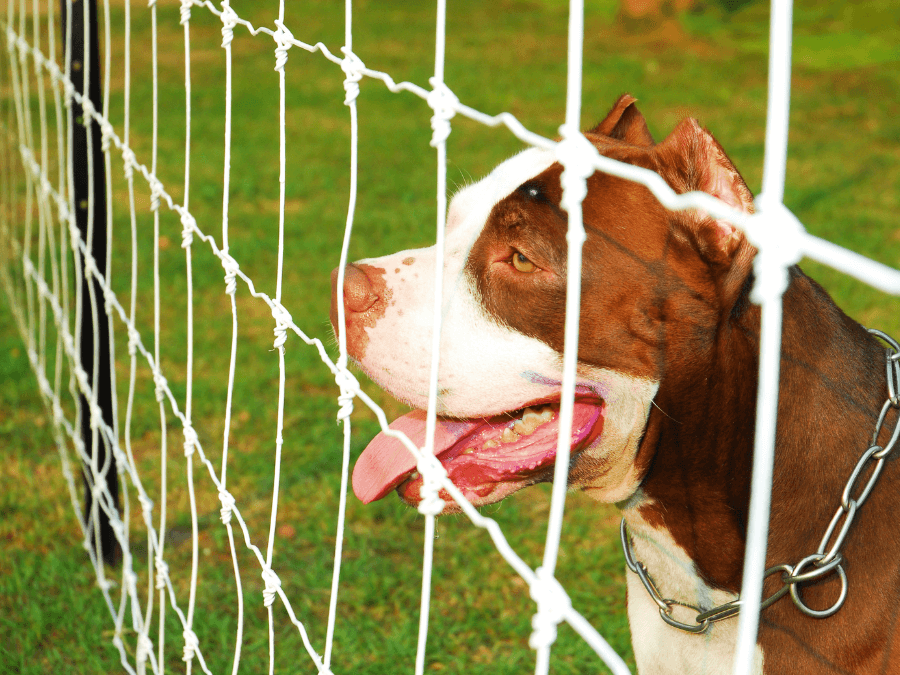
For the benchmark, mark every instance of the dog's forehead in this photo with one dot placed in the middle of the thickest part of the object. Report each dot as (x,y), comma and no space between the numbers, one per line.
(471,206)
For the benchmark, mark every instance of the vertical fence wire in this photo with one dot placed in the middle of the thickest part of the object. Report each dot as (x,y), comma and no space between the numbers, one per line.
(270,578)
(351,66)
(230,267)
(431,504)
(771,282)
(160,565)
(190,639)
(28,138)
(42,203)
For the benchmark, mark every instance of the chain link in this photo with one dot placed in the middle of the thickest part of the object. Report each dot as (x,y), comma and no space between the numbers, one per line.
(822,563)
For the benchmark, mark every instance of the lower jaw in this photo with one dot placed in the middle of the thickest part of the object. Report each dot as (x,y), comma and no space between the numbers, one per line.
(482,485)
(480,495)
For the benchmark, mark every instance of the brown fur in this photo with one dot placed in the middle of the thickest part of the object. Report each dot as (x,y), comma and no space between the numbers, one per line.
(666,296)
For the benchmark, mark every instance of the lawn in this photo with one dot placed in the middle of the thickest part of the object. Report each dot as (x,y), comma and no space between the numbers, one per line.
(843,182)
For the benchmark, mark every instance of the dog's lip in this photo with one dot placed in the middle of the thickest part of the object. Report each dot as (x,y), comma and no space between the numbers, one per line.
(386,464)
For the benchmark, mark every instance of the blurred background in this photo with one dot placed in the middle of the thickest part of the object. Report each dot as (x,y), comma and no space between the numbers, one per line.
(679,58)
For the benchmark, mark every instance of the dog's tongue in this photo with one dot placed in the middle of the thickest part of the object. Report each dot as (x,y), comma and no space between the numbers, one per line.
(385,461)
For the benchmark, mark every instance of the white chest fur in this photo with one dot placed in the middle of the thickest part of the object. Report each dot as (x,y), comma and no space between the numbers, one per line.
(660,649)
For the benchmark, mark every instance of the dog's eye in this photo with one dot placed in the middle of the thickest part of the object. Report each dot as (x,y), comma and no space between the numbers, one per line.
(523,264)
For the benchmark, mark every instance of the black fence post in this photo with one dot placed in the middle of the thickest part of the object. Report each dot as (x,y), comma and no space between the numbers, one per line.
(107,546)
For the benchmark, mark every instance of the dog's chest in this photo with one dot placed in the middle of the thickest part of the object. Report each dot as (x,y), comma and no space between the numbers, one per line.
(659,648)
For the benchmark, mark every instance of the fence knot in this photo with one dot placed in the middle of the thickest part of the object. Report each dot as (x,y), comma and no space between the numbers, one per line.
(229,21)
(88,111)
(74,235)
(151,3)
(133,339)
(55,72)
(284,39)
(273,583)
(144,647)
(282,323)
(444,103)
(433,473)
(46,188)
(131,581)
(186,11)
(349,386)
(227,505)
(191,643)
(146,507)
(190,440)
(82,378)
(156,190)
(24,48)
(779,237)
(352,66)
(63,208)
(90,266)
(129,160)
(162,572)
(188,225)
(69,90)
(231,269)
(96,421)
(161,385)
(106,132)
(552,604)
(575,153)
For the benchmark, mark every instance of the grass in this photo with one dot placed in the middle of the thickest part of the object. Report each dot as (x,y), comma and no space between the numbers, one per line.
(841,181)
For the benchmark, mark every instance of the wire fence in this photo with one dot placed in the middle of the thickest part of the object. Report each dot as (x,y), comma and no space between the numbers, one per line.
(45,294)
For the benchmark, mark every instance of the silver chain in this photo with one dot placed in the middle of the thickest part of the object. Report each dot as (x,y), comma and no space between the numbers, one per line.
(826,560)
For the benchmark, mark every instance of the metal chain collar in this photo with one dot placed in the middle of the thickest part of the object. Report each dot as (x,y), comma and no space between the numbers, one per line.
(825,560)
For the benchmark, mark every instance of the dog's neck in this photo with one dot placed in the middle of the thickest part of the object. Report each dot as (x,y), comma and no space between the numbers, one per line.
(698,443)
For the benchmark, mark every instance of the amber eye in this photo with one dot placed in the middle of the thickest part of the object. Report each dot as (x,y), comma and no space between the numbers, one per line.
(523,264)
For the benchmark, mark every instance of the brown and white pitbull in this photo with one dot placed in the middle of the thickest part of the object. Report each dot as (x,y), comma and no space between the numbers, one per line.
(665,402)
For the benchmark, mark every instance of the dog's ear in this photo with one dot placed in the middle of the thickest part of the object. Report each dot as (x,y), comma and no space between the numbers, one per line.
(691,159)
(625,123)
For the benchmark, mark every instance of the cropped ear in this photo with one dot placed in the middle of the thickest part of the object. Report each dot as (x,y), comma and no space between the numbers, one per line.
(625,123)
(691,159)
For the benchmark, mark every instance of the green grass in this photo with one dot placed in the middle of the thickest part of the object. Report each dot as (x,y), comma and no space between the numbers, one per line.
(842,181)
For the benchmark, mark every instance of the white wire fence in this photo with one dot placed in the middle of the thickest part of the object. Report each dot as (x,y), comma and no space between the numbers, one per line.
(45,294)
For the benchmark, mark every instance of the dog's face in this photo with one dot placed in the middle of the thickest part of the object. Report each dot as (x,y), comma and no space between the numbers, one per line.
(646,272)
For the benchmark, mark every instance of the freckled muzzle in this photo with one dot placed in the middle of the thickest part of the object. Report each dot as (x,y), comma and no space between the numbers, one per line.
(364,299)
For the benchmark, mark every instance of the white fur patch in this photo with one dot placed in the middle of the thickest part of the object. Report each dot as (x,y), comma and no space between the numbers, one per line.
(485,368)
(660,649)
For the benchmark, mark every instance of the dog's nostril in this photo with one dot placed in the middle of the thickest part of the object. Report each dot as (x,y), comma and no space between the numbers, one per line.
(358,293)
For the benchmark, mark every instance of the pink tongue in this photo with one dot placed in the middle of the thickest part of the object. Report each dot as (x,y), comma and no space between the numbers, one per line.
(385,461)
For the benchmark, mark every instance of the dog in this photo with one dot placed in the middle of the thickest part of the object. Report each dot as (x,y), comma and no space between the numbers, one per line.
(665,400)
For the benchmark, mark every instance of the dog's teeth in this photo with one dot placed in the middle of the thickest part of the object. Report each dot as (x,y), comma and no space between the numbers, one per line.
(509,436)
(468,451)
(491,444)
(522,427)
(414,475)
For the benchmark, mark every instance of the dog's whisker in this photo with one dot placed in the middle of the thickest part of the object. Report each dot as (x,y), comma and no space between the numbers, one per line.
(655,405)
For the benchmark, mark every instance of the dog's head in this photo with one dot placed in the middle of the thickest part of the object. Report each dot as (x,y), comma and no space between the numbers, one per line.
(655,287)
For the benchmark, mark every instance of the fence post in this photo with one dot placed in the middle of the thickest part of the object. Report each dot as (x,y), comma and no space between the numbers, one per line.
(91,221)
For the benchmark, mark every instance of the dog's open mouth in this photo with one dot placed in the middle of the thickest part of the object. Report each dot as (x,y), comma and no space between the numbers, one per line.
(487,459)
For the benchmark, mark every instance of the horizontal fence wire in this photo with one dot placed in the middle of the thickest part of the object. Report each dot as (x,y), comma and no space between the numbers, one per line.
(32,296)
